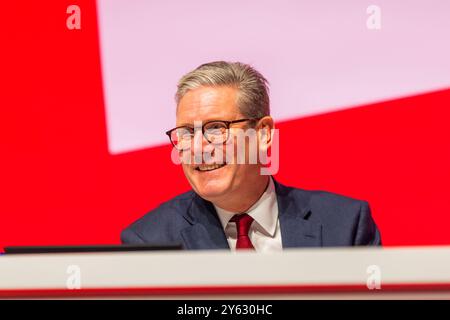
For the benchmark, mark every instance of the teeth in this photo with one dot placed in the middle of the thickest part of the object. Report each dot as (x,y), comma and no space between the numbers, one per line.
(208,167)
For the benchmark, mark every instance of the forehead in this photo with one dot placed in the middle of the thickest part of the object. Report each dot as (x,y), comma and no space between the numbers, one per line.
(207,103)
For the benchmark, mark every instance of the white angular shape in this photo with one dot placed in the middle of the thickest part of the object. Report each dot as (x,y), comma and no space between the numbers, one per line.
(319,56)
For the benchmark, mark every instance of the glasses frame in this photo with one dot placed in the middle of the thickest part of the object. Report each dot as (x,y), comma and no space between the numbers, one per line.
(227,124)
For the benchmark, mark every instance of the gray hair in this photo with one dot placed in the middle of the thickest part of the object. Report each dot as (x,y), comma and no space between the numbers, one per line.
(253,97)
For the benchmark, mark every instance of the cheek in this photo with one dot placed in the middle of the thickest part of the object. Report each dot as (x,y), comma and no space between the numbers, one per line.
(187,170)
(233,152)
(245,149)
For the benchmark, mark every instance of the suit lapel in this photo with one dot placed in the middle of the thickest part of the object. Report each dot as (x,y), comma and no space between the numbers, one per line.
(205,231)
(296,229)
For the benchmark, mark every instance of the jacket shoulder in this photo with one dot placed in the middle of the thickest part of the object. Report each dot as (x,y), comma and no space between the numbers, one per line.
(344,220)
(323,202)
(160,225)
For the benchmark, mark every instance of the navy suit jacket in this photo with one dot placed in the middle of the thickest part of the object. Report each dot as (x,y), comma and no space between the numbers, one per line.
(307,219)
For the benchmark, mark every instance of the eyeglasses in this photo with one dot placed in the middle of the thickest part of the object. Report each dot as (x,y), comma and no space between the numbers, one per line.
(214,131)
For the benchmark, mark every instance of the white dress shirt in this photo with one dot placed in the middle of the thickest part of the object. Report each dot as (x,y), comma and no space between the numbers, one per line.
(264,232)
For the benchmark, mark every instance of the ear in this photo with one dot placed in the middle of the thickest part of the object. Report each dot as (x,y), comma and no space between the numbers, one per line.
(265,126)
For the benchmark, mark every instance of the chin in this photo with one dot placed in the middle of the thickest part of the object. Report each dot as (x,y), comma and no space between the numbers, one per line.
(211,193)
(211,184)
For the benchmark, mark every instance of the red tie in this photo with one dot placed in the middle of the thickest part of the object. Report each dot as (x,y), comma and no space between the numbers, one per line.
(243,223)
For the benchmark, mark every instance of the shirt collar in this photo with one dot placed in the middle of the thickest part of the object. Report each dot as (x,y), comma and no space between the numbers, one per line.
(264,211)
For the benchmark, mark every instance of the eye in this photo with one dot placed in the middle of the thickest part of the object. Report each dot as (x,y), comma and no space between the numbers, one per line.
(215,126)
(185,132)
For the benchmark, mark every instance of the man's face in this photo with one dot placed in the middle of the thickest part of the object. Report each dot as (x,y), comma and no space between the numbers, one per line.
(214,103)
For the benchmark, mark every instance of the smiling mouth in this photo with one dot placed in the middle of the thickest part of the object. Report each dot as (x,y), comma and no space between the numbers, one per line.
(209,167)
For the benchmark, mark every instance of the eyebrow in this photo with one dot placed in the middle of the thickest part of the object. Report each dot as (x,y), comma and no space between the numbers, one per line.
(203,121)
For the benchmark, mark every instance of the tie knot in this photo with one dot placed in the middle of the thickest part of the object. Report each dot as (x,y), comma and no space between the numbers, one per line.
(243,222)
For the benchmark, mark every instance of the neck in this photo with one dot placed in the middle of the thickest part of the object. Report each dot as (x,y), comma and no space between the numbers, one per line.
(243,200)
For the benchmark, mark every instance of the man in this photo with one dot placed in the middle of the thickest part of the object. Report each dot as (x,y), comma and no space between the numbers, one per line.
(232,204)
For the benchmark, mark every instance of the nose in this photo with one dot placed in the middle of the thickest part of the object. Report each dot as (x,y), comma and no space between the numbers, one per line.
(199,146)
(199,141)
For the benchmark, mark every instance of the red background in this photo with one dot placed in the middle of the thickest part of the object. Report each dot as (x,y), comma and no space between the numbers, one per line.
(59,184)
